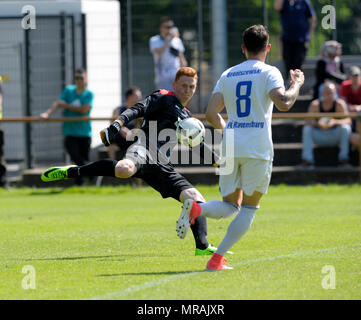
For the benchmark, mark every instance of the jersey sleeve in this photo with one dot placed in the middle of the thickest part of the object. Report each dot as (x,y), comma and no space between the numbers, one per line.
(274,80)
(149,105)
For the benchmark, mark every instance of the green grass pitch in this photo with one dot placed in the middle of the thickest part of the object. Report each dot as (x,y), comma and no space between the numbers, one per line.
(120,243)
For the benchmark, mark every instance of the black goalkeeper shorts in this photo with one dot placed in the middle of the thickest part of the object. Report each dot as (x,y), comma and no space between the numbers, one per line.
(161,177)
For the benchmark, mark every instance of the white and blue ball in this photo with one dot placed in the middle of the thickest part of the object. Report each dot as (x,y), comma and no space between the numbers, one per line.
(190,132)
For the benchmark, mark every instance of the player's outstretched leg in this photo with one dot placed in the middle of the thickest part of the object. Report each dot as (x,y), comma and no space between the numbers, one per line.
(56,173)
(105,167)
(190,211)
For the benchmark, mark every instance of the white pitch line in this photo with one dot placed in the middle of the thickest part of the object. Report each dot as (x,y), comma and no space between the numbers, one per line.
(157,283)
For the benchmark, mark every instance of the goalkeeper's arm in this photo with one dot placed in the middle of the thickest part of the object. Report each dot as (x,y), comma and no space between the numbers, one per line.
(108,134)
(138,110)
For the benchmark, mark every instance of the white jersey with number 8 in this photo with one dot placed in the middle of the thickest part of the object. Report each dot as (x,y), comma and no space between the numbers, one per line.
(245,89)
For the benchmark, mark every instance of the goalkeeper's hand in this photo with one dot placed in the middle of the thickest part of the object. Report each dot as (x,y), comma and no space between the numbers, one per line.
(108,134)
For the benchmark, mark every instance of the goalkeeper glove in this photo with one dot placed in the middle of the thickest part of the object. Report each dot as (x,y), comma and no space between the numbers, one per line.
(108,134)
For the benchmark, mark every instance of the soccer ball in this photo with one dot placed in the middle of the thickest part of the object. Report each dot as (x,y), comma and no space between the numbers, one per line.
(190,132)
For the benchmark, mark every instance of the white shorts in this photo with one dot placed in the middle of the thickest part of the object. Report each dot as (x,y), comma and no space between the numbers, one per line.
(247,174)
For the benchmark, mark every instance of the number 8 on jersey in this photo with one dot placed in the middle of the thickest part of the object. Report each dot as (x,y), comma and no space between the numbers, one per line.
(243,97)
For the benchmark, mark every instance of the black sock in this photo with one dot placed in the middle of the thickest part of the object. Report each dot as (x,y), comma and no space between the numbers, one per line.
(105,167)
(199,229)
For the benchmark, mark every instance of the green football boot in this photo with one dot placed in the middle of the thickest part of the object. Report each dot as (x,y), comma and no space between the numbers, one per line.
(208,251)
(55,173)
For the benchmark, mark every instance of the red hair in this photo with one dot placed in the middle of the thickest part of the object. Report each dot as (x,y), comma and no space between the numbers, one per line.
(186,71)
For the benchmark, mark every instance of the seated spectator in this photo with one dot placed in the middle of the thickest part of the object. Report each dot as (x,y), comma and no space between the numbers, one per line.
(327,132)
(132,96)
(351,92)
(329,66)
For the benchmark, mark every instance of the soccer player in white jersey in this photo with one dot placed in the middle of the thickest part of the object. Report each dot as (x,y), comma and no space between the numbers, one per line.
(248,91)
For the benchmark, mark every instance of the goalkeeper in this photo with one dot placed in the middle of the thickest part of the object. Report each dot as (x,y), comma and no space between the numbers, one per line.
(145,159)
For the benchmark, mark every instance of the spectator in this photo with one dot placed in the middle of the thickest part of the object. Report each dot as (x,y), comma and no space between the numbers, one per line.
(75,101)
(329,66)
(327,132)
(2,158)
(351,92)
(168,54)
(298,21)
(132,96)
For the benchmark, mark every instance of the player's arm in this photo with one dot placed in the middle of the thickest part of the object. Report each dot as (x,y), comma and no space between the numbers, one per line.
(285,99)
(142,107)
(213,112)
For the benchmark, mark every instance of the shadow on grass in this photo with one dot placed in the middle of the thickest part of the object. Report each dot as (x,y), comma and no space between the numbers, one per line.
(124,256)
(46,192)
(72,258)
(165,273)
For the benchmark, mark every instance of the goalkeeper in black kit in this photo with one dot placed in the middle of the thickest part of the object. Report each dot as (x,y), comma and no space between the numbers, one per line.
(148,157)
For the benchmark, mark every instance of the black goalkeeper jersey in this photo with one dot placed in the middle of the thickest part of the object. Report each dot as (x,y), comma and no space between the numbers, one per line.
(163,108)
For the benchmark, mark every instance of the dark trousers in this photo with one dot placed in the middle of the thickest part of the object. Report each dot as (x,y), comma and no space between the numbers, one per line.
(2,160)
(294,54)
(78,149)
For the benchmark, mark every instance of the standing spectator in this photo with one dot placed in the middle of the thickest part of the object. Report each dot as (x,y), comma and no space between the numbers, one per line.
(329,66)
(2,158)
(351,92)
(168,53)
(298,20)
(132,96)
(327,132)
(75,101)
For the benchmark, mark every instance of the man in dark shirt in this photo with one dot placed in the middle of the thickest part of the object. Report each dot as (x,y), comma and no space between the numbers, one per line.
(298,20)
(146,158)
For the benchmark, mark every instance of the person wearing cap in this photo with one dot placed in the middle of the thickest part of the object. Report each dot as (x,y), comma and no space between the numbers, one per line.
(351,93)
(329,66)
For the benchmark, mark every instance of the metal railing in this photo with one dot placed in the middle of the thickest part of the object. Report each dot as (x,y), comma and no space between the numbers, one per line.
(202,117)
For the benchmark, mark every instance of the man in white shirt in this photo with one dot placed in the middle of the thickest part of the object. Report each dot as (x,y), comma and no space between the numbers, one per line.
(248,91)
(168,53)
